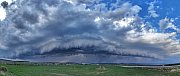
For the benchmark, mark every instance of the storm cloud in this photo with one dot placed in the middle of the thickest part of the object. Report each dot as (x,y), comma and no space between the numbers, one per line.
(81,27)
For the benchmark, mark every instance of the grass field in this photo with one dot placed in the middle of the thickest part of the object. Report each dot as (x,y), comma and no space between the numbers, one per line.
(84,70)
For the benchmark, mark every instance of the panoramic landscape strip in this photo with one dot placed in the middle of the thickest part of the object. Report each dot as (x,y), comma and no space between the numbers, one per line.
(24,68)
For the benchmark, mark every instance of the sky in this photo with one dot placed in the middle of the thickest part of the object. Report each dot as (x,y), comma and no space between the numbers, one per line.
(91,31)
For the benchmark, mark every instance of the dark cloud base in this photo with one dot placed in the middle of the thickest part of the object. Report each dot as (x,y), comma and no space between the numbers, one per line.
(91,58)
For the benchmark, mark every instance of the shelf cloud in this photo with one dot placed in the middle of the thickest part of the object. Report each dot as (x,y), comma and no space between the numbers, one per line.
(80,27)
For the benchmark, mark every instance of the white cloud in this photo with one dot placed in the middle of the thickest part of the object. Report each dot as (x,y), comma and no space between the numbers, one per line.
(2,10)
(166,41)
(123,23)
(2,14)
(151,9)
(9,1)
(167,23)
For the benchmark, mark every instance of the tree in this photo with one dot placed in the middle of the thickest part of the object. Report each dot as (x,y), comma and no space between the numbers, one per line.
(4,4)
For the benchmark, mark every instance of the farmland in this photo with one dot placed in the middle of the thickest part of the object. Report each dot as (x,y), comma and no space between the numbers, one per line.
(86,70)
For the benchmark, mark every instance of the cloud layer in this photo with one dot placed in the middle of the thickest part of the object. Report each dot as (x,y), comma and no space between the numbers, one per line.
(38,27)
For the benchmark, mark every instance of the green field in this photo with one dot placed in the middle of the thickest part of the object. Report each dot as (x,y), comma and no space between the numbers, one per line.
(84,70)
